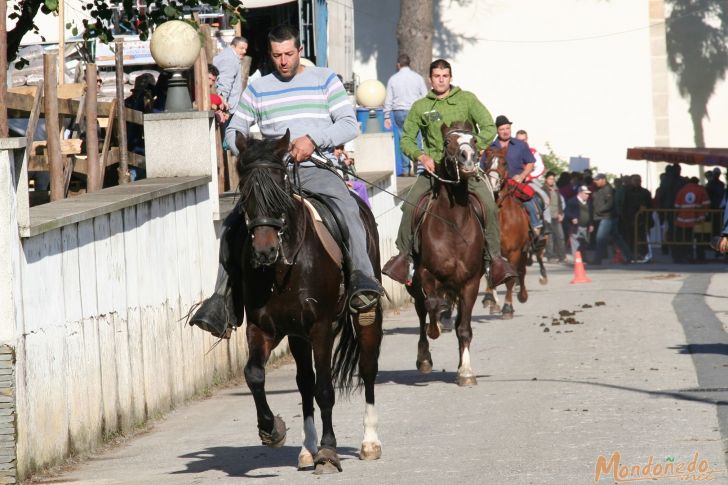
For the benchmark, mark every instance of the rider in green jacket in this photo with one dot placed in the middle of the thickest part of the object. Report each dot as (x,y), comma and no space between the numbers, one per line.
(446,104)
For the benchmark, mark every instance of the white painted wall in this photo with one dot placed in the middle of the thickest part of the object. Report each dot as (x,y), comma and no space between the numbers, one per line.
(574,73)
(101,339)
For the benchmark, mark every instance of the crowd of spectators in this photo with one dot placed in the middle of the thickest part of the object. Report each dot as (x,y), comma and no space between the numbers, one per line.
(590,213)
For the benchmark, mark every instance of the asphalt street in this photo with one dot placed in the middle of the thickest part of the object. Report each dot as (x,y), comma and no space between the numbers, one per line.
(640,370)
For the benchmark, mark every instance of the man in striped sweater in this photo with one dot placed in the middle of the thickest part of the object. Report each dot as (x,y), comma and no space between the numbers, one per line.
(312,104)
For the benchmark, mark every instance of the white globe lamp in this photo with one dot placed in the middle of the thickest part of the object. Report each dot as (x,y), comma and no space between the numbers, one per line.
(175,46)
(371,94)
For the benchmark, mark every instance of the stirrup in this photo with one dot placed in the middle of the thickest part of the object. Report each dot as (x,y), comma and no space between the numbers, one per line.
(364,292)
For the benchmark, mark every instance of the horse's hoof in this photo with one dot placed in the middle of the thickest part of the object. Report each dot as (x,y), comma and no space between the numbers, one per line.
(507,316)
(433,331)
(543,280)
(467,380)
(326,462)
(370,451)
(494,309)
(277,437)
(305,460)
(425,367)
(447,325)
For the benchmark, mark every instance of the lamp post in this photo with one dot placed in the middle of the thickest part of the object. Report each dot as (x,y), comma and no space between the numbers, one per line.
(175,46)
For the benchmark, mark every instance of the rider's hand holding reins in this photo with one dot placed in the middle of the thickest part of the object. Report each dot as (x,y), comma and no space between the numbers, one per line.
(427,162)
(301,148)
(723,246)
(519,178)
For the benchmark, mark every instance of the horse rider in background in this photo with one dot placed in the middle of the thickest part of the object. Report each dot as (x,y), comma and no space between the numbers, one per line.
(445,104)
(521,162)
(534,178)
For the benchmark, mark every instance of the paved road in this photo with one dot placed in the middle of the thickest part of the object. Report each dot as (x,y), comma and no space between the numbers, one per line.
(547,404)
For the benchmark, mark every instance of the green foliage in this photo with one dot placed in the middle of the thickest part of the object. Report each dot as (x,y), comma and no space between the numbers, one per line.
(552,162)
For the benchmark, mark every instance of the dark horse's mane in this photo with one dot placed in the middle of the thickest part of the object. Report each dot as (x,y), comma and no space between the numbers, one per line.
(256,183)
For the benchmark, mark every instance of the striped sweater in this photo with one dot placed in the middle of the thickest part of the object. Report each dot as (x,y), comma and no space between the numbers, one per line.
(312,103)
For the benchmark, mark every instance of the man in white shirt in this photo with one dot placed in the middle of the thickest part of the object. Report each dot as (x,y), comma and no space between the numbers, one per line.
(403,89)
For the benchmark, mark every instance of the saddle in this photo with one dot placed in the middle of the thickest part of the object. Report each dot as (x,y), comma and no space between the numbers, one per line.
(423,205)
(330,224)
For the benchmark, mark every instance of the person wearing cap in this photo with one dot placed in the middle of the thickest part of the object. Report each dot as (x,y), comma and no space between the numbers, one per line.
(604,214)
(520,163)
(446,104)
(580,215)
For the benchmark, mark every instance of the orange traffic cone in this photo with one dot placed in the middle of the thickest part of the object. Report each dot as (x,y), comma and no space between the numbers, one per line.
(618,257)
(579,271)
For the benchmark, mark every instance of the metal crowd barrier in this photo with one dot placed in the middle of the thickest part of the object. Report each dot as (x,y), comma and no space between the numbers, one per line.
(710,224)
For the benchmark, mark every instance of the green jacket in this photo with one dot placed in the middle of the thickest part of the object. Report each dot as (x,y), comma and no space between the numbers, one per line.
(428,114)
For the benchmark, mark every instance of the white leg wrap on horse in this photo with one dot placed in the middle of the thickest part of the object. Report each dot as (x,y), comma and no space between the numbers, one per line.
(371,421)
(309,437)
(465,369)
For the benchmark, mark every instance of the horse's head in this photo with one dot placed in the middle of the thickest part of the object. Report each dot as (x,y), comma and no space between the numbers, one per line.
(265,194)
(461,152)
(495,167)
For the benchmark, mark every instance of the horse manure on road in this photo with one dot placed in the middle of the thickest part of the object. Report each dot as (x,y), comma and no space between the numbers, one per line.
(599,303)
(566,313)
(586,305)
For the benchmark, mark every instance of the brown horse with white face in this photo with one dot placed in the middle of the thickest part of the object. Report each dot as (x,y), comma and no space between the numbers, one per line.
(515,236)
(449,260)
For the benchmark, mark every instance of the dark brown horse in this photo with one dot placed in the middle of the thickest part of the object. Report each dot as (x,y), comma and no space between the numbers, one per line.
(293,287)
(449,261)
(516,240)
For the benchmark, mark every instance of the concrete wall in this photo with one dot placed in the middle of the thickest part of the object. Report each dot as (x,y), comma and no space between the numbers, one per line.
(374,154)
(340,33)
(102,345)
(582,82)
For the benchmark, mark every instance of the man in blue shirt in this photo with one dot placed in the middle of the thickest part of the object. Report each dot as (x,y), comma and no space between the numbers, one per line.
(520,162)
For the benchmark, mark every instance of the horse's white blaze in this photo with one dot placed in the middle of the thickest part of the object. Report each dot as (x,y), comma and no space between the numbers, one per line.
(465,369)
(371,421)
(309,436)
(464,141)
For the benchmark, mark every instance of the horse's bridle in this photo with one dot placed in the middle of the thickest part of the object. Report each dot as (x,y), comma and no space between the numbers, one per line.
(278,223)
(453,158)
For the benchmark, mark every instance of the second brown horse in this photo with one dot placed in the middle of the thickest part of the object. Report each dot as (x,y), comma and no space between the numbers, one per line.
(516,240)
(449,262)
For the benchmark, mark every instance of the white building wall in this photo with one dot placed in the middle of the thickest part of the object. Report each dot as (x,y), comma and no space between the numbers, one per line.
(574,73)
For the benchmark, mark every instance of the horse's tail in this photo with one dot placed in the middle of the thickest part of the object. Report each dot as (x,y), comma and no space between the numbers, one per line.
(346,356)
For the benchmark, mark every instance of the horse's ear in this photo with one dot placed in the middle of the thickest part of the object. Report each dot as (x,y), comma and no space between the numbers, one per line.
(283,144)
(241,142)
(444,129)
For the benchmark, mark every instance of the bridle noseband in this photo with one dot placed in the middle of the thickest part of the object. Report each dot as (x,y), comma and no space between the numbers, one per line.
(453,158)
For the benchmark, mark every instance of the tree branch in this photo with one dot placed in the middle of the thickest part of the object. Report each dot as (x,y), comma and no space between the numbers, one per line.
(28,11)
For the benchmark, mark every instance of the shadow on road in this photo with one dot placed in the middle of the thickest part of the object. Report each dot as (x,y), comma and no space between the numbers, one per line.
(720,349)
(416,378)
(239,461)
(694,395)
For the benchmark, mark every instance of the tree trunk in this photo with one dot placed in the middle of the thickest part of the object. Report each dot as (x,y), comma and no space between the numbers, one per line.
(414,33)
